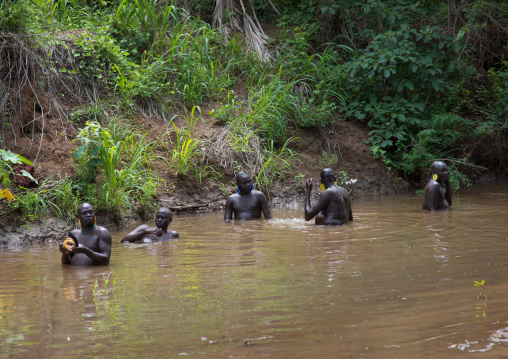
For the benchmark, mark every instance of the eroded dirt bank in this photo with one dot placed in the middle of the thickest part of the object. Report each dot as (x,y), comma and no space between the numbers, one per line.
(48,142)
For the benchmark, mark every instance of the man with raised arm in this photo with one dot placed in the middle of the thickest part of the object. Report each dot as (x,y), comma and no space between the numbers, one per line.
(435,195)
(147,234)
(94,242)
(334,205)
(247,203)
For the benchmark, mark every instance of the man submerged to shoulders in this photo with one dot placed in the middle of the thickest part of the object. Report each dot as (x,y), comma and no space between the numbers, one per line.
(94,242)
(435,195)
(147,234)
(334,205)
(247,203)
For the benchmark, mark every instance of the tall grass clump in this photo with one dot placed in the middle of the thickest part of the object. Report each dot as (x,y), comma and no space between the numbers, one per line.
(185,146)
(123,164)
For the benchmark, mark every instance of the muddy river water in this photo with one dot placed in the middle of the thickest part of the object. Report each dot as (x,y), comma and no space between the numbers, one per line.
(398,282)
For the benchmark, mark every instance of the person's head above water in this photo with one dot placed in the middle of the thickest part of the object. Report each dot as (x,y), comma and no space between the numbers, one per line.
(440,169)
(244,183)
(327,177)
(163,218)
(86,215)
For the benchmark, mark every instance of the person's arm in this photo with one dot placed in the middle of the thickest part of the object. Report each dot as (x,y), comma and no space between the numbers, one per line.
(66,255)
(448,193)
(102,256)
(228,213)
(350,210)
(264,206)
(311,212)
(140,232)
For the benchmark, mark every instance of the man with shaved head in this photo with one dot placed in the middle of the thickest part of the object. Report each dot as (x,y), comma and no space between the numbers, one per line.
(94,242)
(334,205)
(147,234)
(247,203)
(438,194)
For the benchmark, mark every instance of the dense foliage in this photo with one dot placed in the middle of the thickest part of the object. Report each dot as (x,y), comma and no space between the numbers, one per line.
(413,71)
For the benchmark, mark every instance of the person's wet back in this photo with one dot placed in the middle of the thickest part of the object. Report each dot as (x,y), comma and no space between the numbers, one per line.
(435,195)
(93,242)
(147,234)
(247,203)
(334,205)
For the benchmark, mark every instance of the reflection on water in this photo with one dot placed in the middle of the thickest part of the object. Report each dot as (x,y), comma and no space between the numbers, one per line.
(395,283)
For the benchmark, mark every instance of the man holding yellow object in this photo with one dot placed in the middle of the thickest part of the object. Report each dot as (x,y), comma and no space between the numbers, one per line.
(94,242)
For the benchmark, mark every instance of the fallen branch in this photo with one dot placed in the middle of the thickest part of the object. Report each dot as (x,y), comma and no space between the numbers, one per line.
(190,206)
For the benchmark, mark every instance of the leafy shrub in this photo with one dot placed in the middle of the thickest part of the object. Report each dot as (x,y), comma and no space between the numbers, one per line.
(397,81)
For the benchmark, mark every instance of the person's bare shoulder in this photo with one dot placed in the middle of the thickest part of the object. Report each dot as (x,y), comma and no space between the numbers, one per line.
(103,233)
(258,193)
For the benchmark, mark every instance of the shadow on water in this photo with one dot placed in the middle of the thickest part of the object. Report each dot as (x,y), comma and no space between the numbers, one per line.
(397,282)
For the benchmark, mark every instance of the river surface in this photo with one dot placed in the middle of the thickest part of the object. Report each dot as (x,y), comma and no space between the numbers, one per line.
(398,282)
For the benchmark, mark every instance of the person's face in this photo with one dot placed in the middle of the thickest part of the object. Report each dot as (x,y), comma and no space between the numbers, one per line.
(162,219)
(86,215)
(442,173)
(244,184)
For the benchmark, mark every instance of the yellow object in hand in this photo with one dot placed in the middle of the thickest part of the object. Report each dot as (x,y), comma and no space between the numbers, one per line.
(69,243)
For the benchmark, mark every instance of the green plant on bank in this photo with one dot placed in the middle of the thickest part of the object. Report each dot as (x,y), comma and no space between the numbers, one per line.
(7,160)
(276,104)
(86,113)
(62,10)
(186,147)
(65,197)
(277,164)
(34,204)
(124,164)
(500,106)
(328,160)
(342,178)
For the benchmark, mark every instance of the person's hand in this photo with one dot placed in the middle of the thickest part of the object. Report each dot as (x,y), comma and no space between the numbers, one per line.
(309,185)
(79,249)
(62,249)
(157,231)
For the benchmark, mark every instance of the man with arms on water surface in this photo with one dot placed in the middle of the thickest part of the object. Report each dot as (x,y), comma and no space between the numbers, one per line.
(333,207)
(147,234)
(94,241)
(435,196)
(247,203)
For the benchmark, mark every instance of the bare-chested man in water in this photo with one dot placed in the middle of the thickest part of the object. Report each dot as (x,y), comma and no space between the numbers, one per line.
(334,205)
(247,203)
(436,196)
(94,241)
(147,234)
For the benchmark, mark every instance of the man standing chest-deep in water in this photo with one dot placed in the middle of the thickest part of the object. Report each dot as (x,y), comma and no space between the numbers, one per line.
(334,205)
(247,203)
(147,234)
(94,241)
(435,196)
